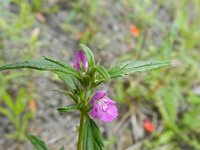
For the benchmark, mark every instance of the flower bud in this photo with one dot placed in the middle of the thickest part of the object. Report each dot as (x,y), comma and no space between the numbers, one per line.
(80,60)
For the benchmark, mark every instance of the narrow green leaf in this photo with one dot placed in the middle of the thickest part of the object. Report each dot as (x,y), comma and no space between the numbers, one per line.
(61,63)
(103,72)
(13,135)
(21,102)
(8,114)
(67,108)
(165,137)
(69,94)
(89,55)
(69,80)
(8,101)
(14,75)
(43,63)
(27,116)
(132,67)
(62,148)
(37,142)
(92,136)
(23,127)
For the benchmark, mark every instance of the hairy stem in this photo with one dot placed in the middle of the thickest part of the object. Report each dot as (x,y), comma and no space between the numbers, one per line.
(80,137)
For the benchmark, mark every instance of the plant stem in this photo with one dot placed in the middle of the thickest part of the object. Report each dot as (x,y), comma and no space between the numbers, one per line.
(80,136)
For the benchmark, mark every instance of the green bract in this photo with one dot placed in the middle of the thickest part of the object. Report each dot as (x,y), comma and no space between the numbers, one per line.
(89,55)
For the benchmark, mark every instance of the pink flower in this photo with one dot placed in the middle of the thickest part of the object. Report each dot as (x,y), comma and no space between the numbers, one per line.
(103,108)
(80,59)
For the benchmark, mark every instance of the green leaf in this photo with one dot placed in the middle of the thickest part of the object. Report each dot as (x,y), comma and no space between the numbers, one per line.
(67,108)
(69,94)
(27,116)
(8,114)
(92,136)
(23,128)
(9,101)
(192,115)
(62,148)
(14,75)
(63,64)
(69,80)
(132,67)
(103,72)
(21,102)
(13,135)
(43,63)
(37,142)
(165,137)
(89,55)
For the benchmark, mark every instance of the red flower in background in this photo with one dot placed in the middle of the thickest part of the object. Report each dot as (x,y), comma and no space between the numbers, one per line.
(148,126)
(134,30)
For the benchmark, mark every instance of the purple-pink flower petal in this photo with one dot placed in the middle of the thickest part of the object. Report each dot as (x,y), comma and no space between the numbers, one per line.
(103,108)
(98,95)
(80,59)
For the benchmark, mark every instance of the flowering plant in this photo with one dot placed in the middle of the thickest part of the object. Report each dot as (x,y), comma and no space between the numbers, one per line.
(82,79)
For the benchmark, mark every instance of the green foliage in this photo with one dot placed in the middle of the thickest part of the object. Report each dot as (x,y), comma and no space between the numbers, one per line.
(175,38)
(89,55)
(37,142)
(103,72)
(92,139)
(93,7)
(37,5)
(62,148)
(67,93)
(167,101)
(5,78)
(81,86)
(169,91)
(15,27)
(16,112)
(132,67)
(44,63)
(69,80)
(163,138)
(67,108)
(192,116)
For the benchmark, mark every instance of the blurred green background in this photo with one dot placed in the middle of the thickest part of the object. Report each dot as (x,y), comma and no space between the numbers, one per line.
(169,98)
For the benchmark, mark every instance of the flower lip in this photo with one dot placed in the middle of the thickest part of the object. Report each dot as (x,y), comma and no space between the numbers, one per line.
(103,108)
(102,104)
